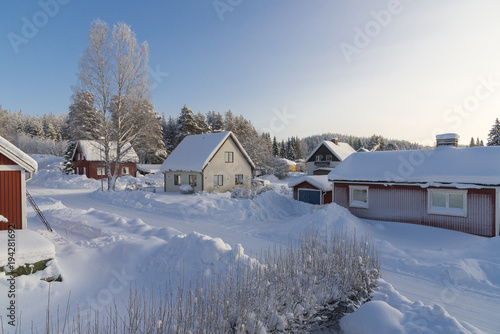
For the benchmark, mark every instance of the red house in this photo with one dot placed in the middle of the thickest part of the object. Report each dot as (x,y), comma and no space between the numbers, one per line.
(14,164)
(88,157)
(448,187)
(312,189)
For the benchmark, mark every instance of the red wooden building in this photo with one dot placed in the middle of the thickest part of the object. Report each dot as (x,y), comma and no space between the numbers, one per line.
(88,157)
(15,165)
(312,189)
(448,187)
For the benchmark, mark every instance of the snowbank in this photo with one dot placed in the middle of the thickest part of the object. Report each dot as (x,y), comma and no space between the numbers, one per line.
(30,247)
(390,313)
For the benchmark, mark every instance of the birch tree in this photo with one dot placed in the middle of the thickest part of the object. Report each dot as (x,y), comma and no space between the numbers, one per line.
(114,69)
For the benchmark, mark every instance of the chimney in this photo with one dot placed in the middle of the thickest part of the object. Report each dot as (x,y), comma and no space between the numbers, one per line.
(335,140)
(447,139)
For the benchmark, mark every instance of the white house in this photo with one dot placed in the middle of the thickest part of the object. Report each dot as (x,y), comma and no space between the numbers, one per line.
(326,156)
(208,162)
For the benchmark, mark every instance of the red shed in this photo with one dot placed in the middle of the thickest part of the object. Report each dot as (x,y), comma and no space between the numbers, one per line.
(448,187)
(312,189)
(88,157)
(14,164)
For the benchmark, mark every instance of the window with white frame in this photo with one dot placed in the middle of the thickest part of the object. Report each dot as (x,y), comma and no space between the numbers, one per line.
(229,157)
(238,179)
(177,179)
(101,171)
(125,171)
(329,158)
(319,157)
(218,180)
(450,202)
(358,196)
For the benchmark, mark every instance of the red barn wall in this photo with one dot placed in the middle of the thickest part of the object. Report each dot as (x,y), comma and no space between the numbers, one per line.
(11,198)
(408,204)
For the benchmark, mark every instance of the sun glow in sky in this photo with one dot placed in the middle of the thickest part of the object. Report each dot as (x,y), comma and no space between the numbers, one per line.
(402,69)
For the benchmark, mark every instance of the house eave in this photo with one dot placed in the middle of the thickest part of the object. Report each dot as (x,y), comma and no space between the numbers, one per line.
(460,185)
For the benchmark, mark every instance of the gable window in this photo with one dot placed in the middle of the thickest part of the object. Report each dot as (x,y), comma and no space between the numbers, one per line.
(192,180)
(177,179)
(238,179)
(319,157)
(229,157)
(450,202)
(328,158)
(218,180)
(100,171)
(78,156)
(358,197)
(125,171)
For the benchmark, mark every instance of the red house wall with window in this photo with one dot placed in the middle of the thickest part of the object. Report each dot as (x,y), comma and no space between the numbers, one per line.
(408,204)
(89,168)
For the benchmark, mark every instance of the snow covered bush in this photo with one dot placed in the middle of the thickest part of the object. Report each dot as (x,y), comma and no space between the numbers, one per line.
(245,193)
(312,280)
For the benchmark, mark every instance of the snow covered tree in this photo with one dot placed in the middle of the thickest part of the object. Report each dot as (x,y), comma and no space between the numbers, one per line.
(215,121)
(391,146)
(276,149)
(34,126)
(114,68)
(229,121)
(282,149)
(170,132)
(187,123)
(202,123)
(494,135)
(68,164)
(84,121)
(149,144)
(479,143)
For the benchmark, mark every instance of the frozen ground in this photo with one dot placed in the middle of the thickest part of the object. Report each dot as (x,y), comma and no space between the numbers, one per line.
(433,280)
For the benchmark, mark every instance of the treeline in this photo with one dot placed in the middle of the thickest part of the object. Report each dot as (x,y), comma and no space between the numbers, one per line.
(375,142)
(34,134)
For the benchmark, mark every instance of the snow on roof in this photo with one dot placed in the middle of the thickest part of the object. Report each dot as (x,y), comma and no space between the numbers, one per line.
(194,152)
(94,151)
(319,181)
(340,150)
(448,136)
(18,156)
(149,168)
(289,162)
(476,165)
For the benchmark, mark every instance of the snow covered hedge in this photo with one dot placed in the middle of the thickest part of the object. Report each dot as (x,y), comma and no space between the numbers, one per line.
(311,281)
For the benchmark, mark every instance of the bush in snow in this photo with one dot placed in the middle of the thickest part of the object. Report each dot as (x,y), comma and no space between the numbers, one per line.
(245,193)
(312,280)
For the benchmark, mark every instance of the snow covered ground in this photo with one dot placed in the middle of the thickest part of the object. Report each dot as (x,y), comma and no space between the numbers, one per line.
(434,281)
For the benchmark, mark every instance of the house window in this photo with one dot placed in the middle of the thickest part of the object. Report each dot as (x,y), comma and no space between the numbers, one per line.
(450,202)
(229,156)
(84,170)
(238,179)
(78,156)
(77,171)
(101,171)
(192,180)
(177,180)
(319,157)
(218,180)
(125,171)
(358,197)
(328,158)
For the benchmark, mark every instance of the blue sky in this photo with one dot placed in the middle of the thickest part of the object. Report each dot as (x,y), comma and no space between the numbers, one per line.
(402,69)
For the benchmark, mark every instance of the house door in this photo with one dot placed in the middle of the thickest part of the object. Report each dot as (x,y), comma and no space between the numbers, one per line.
(310,196)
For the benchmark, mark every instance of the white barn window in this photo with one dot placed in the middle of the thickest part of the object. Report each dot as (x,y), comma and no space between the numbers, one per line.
(449,202)
(358,197)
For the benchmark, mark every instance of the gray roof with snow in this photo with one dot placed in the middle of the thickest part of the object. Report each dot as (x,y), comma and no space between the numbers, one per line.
(340,150)
(443,165)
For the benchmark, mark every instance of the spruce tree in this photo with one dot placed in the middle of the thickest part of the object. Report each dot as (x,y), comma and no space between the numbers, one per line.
(276,149)
(187,123)
(472,143)
(69,165)
(171,134)
(494,135)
